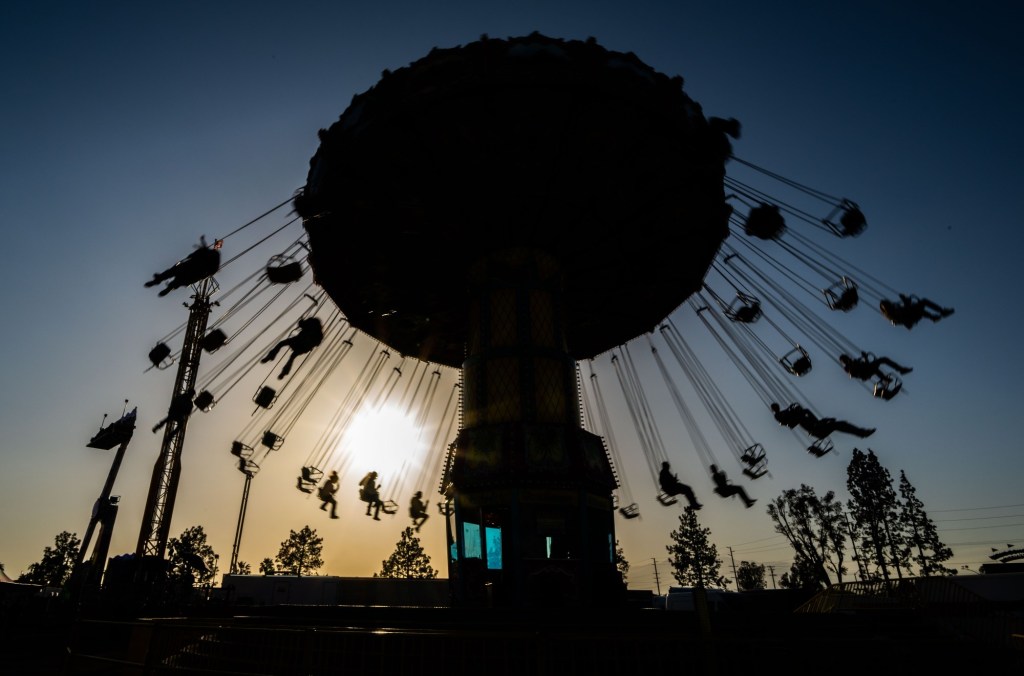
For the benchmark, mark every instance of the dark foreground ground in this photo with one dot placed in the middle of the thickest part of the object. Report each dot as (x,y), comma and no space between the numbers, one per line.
(372,641)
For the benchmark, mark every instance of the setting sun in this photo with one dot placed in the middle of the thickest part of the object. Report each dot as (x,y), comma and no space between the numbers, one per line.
(387,440)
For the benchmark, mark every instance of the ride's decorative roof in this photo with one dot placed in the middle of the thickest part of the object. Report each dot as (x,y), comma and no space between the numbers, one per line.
(560,145)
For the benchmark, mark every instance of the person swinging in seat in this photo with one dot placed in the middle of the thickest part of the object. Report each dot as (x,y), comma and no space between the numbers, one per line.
(418,510)
(369,492)
(796,415)
(672,486)
(327,492)
(867,366)
(311,334)
(198,265)
(179,410)
(909,310)
(726,489)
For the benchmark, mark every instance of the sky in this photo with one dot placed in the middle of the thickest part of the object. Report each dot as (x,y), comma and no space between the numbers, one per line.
(128,131)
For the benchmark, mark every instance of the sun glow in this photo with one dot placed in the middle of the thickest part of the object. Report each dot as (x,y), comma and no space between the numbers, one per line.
(387,440)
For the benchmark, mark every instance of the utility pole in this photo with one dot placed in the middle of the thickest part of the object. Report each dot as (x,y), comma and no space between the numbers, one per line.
(657,581)
(156,520)
(771,569)
(734,578)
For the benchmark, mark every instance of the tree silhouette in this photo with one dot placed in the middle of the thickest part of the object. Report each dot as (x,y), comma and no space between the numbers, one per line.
(57,564)
(928,552)
(693,558)
(192,559)
(301,551)
(750,576)
(243,568)
(814,527)
(267,566)
(408,560)
(874,507)
(802,575)
(621,564)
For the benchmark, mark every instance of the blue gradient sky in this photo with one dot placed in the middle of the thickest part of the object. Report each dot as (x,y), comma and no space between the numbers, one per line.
(128,130)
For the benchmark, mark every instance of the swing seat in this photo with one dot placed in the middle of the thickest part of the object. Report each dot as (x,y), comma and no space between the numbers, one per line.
(765,222)
(271,440)
(214,340)
(851,220)
(755,473)
(281,272)
(446,508)
(753,455)
(159,356)
(630,511)
(204,400)
(312,474)
(887,387)
(305,486)
(240,450)
(796,361)
(821,447)
(745,309)
(842,296)
(247,466)
(666,499)
(265,397)
(389,507)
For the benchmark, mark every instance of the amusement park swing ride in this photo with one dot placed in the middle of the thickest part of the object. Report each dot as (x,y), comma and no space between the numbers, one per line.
(553,204)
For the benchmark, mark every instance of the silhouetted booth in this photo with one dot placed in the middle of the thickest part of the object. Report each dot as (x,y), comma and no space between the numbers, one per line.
(511,155)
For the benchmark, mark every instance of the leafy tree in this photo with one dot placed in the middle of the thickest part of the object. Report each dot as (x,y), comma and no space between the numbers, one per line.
(750,576)
(301,551)
(243,568)
(814,527)
(408,560)
(694,560)
(802,575)
(267,566)
(930,552)
(621,564)
(874,507)
(192,559)
(57,564)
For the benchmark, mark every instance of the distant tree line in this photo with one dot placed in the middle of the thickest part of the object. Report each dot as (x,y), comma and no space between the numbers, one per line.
(883,530)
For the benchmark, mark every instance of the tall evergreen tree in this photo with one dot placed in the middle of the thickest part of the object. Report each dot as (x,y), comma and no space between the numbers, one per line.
(192,559)
(57,564)
(875,509)
(408,560)
(814,527)
(693,558)
(928,551)
(300,553)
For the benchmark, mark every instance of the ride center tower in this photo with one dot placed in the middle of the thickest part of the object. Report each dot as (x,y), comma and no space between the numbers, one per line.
(510,207)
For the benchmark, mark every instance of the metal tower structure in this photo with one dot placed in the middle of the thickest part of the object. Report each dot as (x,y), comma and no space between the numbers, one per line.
(156,520)
(104,511)
(249,468)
